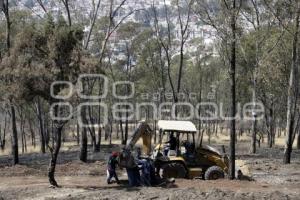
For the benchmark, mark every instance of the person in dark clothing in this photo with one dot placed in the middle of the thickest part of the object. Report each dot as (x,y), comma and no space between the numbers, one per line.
(132,169)
(189,148)
(148,172)
(172,142)
(111,168)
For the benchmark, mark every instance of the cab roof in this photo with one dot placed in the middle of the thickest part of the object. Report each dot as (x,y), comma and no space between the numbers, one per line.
(178,126)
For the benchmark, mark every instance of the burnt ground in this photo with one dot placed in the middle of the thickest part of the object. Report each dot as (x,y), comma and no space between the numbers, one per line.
(272,179)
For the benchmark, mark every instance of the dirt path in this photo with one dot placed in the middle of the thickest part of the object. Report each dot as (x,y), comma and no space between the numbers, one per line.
(78,180)
(93,187)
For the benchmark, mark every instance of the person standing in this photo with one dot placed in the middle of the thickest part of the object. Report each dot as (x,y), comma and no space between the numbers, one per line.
(111,168)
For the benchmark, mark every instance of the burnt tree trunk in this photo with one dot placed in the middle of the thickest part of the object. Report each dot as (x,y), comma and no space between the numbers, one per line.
(3,139)
(5,10)
(126,129)
(41,126)
(14,144)
(78,134)
(117,130)
(232,92)
(92,129)
(32,133)
(254,134)
(122,131)
(93,139)
(22,124)
(15,151)
(99,139)
(298,140)
(84,139)
(54,153)
(271,131)
(83,146)
(22,136)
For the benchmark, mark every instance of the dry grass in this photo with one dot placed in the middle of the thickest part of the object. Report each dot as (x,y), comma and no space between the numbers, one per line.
(224,138)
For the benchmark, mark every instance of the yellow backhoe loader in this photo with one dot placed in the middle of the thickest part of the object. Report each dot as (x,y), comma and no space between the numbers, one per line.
(186,161)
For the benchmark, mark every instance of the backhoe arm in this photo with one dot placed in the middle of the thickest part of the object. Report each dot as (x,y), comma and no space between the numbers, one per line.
(142,131)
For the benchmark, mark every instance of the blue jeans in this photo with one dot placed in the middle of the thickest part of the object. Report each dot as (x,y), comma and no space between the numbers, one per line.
(112,174)
(146,179)
(133,176)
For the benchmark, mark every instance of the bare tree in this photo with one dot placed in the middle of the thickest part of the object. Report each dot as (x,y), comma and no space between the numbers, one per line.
(233,10)
(254,123)
(40,2)
(293,90)
(112,27)
(3,133)
(84,140)
(184,35)
(39,112)
(252,14)
(165,43)
(67,6)
(15,147)
(5,9)
(227,31)
(92,23)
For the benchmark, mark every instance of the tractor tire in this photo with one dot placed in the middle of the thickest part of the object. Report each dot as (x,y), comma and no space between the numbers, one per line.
(214,173)
(173,170)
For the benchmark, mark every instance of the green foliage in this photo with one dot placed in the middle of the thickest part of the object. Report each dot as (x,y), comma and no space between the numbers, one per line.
(40,57)
(45,50)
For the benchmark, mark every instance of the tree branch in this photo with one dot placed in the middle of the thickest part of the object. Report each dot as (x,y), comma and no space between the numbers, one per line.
(42,5)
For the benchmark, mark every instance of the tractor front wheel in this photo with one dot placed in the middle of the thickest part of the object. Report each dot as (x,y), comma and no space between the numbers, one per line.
(214,173)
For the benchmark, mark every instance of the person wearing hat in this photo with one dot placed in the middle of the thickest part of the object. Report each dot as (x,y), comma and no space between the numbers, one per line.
(111,167)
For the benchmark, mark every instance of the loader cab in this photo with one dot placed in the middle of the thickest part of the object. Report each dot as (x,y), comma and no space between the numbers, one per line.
(184,133)
(185,143)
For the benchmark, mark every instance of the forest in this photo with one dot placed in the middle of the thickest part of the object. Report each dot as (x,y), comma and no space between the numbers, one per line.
(78,80)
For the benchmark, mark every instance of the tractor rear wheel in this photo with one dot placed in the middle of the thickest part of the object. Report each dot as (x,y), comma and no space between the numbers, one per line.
(173,170)
(214,173)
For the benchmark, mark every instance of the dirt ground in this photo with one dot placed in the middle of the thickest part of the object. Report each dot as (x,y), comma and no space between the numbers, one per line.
(78,180)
